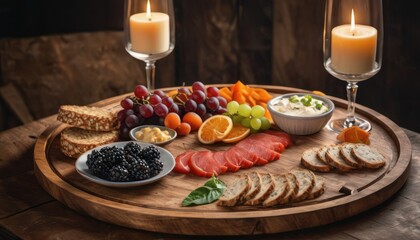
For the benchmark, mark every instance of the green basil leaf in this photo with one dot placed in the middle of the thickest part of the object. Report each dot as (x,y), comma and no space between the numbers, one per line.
(210,192)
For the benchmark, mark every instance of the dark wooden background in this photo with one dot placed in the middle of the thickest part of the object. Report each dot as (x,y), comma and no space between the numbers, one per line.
(72,52)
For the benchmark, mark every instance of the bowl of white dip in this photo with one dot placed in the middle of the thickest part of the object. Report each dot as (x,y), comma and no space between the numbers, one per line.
(301,113)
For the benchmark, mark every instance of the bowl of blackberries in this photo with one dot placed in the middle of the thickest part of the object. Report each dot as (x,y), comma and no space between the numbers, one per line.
(125,164)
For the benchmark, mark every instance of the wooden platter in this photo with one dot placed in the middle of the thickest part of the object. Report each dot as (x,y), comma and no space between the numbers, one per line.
(157,207)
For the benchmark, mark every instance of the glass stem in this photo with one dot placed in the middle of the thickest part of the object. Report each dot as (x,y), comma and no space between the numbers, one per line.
(351,97)
(150,75)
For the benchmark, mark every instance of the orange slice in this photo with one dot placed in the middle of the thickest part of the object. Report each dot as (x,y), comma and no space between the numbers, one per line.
(354,134)
(318,93)
(214,129)
(237,133)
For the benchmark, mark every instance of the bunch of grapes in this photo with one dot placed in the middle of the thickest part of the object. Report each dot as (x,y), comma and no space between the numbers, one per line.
(152,107)
(144,108)
(247,116)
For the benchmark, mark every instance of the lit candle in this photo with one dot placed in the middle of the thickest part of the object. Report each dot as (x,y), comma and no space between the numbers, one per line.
(353,48)
(149,32)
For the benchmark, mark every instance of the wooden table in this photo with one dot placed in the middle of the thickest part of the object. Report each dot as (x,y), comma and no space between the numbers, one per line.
(28,212)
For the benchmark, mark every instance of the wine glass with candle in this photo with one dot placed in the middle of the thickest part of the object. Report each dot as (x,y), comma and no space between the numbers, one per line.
(149,29)
(353,39)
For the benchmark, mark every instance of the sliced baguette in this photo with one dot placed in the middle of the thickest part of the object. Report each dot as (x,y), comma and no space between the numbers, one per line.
(305,180)
(334,158)
(345,152)
(310,160)
(86,117)
(321,155)
(367,156)
(293,188)
(267,186)
(235,191)
(255,187)
(75,141)
(280,190)
(318,188)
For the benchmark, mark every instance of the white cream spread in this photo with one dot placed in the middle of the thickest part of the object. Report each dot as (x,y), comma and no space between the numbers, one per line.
(300,106)
(152,135)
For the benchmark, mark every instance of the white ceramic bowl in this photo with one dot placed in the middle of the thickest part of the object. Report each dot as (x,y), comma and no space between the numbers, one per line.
(171,132)
(301,125)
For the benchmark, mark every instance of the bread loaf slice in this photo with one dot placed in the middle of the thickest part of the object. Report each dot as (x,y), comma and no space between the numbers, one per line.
(367,156)
(280,190)
(75,141)
(318,188)
(235,191)
(345,152)
(292,186)
(255,178)
(311,161)
(321,154)
(334,158)
(305,182)
(86,117)
(267,186)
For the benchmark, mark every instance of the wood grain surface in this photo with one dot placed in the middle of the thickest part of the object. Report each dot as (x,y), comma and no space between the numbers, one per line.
(156,207)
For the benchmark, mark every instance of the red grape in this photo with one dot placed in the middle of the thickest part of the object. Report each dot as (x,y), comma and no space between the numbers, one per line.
(184,90)
(127,103)
(124,132)
(198,96)
(146,110)
(121,115)
(222,101)
(212,103)
(221,110)
(168,101)
(212,92)
(190,105)
(132,121)
(141,91)
(201,109)
(161,110)
(206,116)
(160,93)
(174,108)
(198,86)
(154,99)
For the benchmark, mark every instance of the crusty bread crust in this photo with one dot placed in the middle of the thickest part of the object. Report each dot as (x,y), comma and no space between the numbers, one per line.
(310,160)
(280,190)
(255,187)
(334,159)
(86,117)
(305,181)
(234,192)
(318,188)
(293,188)
(75,141)
(267,186)
(368,156)
(345,152)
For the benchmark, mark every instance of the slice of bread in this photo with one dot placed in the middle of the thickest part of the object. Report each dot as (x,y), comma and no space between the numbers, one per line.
(293,188)
(235,191)
(267,186)
(255,178)
(345,152)
(318,188)
(321,154)
(305,180)
(90,118)
(75,141)
(367,156)
(310,160)
(334,158)
(280,190)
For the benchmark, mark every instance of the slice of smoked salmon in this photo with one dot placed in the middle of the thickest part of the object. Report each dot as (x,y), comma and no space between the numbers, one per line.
(257,160)
(232,166)
(232,155)
(287,138)
(220,158)
(203,164)
(181,162)
(260,150)
(266,140)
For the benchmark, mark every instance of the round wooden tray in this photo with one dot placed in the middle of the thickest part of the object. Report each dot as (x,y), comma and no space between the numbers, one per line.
(157,207)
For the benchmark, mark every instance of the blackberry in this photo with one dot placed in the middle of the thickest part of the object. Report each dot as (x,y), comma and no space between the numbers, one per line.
(139,169)
(155,166)
(97,165)
(119,174)
(149,152)
(132,148)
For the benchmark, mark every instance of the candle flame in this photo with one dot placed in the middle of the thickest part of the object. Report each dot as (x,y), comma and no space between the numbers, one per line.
(148,11)
(352,26)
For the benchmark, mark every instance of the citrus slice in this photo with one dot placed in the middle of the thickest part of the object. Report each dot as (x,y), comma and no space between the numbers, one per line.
(237,133)
(354,134)
(214,129)
(318,93)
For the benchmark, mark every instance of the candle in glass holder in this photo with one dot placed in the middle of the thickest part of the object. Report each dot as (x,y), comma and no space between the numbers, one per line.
(149,32)
(353,48)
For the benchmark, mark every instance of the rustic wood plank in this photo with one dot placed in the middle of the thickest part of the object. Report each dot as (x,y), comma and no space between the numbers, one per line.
(15,102)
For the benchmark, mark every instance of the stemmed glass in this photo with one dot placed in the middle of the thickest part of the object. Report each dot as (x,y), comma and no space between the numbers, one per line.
(353,39)
(149,30)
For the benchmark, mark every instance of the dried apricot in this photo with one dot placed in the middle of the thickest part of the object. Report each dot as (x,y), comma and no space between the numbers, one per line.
(172,120)
(354,134)
(183,129)
(193,119)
